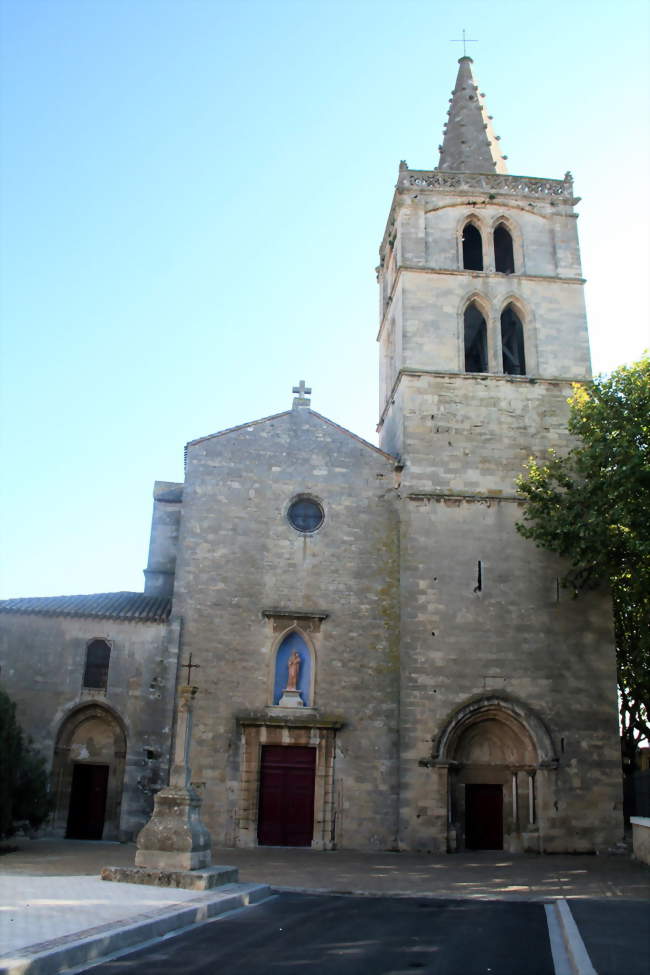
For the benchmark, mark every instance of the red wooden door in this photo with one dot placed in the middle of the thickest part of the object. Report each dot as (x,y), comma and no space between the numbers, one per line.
(286,807)
(484,817)
(87,802)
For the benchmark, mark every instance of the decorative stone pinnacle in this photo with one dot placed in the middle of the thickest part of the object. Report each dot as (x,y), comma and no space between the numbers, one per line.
(303,391)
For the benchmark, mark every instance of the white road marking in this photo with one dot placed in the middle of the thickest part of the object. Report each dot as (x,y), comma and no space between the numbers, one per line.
(574,947)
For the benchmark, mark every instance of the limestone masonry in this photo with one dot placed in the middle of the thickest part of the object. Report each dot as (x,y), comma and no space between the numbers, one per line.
(384,662)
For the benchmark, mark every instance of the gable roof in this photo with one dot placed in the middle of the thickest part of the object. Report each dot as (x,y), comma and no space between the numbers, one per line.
(277,416)
(135,606)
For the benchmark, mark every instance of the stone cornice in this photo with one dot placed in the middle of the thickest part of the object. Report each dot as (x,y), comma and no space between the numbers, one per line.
(496,186)
(497,183)
(296,614)
(305,718)
(442,495)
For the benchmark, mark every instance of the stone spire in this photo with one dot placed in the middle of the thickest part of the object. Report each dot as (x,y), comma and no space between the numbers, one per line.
(469,144)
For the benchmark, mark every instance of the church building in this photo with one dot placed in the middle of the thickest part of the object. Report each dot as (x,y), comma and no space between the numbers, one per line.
(384,663)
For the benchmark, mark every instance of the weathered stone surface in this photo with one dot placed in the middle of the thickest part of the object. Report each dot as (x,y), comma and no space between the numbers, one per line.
(204,879)
(175,837)
(444,655)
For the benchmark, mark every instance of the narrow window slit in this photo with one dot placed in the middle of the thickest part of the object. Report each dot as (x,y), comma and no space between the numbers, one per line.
(479,577)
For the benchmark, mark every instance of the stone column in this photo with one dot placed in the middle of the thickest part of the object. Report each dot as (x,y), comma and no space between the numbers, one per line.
(175,838)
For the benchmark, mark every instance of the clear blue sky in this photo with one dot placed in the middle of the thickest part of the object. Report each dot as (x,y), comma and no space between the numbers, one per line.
(193,195)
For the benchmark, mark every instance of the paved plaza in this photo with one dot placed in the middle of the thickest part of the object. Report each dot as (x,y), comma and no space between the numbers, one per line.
(53,899)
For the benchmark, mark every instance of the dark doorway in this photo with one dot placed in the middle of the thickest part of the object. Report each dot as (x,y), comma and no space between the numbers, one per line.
(286,807)
(87,802)
(484,817)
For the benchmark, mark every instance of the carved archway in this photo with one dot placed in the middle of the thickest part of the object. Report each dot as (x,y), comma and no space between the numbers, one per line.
(493,747)
(91,735)
(499,707)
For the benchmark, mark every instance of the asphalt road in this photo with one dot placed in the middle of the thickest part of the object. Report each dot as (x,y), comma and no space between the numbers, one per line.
(303,934)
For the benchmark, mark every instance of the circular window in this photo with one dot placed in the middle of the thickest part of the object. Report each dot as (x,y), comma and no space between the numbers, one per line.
(305,514)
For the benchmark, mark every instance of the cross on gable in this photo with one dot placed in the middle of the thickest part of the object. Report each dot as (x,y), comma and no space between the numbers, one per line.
(301,389)
(303,392)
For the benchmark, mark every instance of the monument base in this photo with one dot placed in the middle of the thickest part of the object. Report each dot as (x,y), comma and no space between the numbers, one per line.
(185,879)
(174,838)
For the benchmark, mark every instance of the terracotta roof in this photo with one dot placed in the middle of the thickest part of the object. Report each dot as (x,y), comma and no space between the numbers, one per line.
(134,606)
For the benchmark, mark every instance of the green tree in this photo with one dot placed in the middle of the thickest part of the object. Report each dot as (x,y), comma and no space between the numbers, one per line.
(24,793)
(592,507)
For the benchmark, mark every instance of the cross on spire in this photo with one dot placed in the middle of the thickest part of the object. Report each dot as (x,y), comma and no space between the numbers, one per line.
(464,41)
(190,667)
(303,392)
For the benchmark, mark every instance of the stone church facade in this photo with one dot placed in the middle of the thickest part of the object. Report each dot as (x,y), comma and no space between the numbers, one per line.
(384,662)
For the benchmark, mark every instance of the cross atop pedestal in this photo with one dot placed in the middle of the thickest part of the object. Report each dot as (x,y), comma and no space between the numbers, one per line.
(302,399)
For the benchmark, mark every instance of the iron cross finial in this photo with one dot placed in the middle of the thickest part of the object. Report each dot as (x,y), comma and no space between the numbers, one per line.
(190,667)
(464,41)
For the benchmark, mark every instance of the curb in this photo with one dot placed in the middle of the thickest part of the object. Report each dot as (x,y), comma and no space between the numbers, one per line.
(91,947)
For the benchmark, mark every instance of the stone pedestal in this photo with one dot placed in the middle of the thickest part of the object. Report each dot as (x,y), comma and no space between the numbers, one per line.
(291,699)
(185,879)
(174,838)
(174,848)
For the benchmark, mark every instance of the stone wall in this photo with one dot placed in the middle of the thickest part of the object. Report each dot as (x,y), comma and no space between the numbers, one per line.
(43,661)
(242,572)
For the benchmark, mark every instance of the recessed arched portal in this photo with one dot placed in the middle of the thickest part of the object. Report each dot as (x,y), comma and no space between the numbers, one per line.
(88,773)
(493,748)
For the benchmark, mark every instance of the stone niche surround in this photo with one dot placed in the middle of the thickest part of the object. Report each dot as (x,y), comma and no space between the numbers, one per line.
(258,729)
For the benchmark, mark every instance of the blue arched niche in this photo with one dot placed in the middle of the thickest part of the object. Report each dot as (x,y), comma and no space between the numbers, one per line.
(290,643)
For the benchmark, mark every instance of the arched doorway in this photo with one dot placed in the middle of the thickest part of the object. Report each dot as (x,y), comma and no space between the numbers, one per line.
(493,748)
(88,774)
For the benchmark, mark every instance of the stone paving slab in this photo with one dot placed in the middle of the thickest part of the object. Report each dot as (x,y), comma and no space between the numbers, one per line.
(344,871)
(48,924)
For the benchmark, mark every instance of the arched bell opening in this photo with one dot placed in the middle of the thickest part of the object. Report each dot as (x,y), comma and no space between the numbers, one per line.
(504,255)
(88,774)
(475,339)
(472,242)
(512,342)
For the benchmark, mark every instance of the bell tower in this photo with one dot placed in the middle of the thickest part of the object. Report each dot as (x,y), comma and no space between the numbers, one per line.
(508,688)
(481,295)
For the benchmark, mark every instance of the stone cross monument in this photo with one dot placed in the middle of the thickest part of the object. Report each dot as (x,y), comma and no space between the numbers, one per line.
(174,848)
(175,838)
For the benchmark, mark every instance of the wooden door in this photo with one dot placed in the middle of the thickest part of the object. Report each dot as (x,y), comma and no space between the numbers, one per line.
(87,802)
(484,817)
(286,806)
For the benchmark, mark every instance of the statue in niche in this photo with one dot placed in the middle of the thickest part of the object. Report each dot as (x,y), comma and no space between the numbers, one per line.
(293,668)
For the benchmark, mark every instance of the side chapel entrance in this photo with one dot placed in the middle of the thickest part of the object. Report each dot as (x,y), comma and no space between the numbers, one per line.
(493,752)
(286,803)
(88,773)
(87,802)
